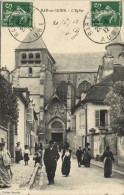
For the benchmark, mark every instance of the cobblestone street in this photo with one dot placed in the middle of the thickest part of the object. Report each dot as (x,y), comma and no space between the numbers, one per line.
(83,180)
(21,173)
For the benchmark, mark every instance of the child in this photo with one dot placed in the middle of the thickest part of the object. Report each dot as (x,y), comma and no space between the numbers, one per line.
(37,157)
(26,154)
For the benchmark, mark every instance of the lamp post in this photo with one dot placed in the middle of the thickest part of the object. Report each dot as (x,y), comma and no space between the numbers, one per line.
(85,123)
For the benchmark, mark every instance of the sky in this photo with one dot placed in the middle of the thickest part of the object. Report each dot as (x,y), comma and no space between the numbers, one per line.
(58,37)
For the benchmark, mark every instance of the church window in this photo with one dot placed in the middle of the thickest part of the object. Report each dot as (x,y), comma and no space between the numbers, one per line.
(38,62)
(37,55)
(83,87)
(30,55)
(23,55)
(62,92)
(30,70)
(121,55)
(56,124)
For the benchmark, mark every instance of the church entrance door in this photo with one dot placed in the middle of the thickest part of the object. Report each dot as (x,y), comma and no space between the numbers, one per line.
(57,137)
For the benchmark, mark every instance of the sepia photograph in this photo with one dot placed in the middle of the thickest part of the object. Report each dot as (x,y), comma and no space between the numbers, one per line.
(62,97)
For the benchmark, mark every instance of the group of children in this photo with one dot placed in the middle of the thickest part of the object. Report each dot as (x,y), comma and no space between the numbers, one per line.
(37,155)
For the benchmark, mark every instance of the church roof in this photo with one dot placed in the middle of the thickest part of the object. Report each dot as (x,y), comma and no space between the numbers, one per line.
(77,62)
(50,101)
(116,41)
(98,92)
(28,42)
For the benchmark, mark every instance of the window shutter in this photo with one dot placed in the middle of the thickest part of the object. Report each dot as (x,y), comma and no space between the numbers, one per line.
(29,114)
(97,118)
(106,118)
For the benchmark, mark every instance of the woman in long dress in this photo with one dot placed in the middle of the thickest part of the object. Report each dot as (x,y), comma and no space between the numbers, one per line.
(86,155)
(108,158)
(66,160)
(5,166)
(18,153)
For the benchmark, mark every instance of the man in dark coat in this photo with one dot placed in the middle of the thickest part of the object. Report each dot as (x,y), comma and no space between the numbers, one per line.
(79,156)
(51,156)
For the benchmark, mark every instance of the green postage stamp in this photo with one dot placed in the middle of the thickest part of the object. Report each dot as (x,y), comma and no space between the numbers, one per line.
(17,14)
(106,13)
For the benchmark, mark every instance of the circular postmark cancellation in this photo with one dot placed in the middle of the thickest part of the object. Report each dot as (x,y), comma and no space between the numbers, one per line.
(98,34)
(20,27)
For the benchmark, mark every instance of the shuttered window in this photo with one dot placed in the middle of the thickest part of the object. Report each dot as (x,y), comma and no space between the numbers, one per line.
(97,118)
(29,114)
(101,118)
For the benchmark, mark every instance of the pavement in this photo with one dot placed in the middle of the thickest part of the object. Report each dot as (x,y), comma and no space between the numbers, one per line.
(115,168)
(82,181)
(21,173)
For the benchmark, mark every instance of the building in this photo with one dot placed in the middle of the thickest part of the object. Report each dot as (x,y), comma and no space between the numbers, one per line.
(55,83)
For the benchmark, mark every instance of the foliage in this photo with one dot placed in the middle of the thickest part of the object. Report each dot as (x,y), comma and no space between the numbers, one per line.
(115,99)
(8,103)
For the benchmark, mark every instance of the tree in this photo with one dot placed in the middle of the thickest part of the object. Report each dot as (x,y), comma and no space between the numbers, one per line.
(8,103)
(115,99)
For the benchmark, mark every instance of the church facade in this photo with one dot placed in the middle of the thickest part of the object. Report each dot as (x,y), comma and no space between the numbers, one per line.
(55,83)
(53,89)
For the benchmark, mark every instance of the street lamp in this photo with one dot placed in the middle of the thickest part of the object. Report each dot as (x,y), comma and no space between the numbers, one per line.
(85,123)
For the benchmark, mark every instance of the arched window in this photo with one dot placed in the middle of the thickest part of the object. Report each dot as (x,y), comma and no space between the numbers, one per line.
(62,92)
(56,124)
(121,55)
(83,87)
(23,55)
(37,55)
(30,55)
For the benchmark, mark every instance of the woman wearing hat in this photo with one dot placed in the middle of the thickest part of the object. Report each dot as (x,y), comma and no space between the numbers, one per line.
(5,163)
(87,155)
(66,160)
(18,153)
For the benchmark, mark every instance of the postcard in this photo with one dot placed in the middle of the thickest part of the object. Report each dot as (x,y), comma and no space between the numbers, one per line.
(61,97)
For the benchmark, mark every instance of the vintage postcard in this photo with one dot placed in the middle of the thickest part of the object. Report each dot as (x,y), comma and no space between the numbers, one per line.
(62,97)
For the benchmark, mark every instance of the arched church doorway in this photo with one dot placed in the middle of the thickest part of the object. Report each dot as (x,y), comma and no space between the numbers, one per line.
(57,137)
(56,130)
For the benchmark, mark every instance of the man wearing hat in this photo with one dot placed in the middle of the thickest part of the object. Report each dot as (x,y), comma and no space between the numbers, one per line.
(51,156)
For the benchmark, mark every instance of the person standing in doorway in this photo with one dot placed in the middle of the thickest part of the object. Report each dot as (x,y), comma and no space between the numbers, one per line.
(108,158)
(79,156)
(51,157)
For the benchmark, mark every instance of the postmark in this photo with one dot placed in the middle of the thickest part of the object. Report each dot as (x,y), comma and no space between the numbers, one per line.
(21,14)
(37,29)
(98,34)
(106,13)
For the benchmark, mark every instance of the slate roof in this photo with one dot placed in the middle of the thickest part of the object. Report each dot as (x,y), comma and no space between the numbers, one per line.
(27,44)
(39,44)
(77,62)
(97,93)
(118,75)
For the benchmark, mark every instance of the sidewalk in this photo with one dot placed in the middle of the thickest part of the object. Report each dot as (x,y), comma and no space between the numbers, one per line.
(22,173)
(115,168)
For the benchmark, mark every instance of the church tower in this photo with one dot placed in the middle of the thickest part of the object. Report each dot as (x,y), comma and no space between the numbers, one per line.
(34,67)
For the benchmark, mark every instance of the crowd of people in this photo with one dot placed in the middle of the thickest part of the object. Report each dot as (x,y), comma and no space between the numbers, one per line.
(50,157)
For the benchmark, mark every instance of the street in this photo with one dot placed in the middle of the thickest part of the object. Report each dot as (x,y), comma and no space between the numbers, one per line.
(83,180)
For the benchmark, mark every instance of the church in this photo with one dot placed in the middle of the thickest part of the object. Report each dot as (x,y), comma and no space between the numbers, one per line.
(56,83)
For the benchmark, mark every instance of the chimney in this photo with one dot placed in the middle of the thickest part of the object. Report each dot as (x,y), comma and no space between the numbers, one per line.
(108,67)
(5,73)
